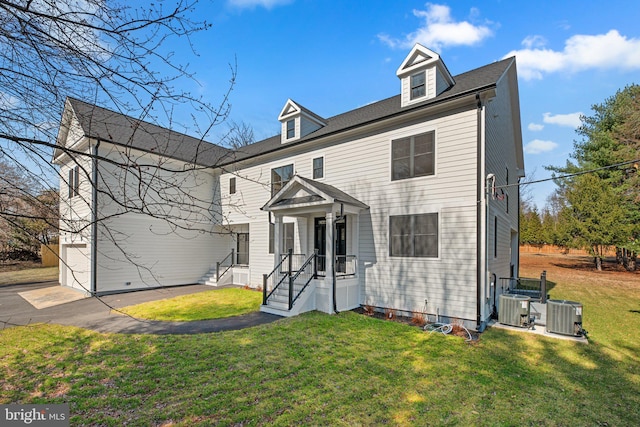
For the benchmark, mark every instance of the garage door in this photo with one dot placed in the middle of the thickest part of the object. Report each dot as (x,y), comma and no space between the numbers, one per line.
(76,271)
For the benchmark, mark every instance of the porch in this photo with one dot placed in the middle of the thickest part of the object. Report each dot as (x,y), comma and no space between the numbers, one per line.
(327,228)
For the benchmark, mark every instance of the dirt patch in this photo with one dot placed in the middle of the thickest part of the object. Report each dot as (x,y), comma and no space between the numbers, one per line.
(578,269)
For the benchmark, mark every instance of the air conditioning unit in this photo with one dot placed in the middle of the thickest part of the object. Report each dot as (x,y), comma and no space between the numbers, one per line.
(564,317)
(514,310)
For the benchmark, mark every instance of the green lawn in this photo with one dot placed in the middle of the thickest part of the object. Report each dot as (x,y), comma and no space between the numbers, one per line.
(213,304)
(348,369)
(43,274)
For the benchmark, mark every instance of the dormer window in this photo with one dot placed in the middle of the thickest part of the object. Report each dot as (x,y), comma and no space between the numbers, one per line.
(418,87)
(291,128)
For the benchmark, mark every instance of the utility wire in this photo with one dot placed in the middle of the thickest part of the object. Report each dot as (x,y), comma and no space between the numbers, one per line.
(518,184)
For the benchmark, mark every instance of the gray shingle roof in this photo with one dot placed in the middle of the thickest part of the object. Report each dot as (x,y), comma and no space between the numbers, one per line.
(118,128)
(466,83)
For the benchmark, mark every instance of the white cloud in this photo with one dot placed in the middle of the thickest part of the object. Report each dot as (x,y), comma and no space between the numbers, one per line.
(581,52)
(267,4)
(8,102)
(439,30)
(538,146)
(535,127)
(569,120)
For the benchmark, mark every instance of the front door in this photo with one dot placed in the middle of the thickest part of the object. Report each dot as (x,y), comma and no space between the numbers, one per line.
(320,241)
(340,244)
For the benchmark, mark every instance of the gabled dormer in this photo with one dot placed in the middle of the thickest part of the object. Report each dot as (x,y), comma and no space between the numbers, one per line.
(298,122)
(423,76)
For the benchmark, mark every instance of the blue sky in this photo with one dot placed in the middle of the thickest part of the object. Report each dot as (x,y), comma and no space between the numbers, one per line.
(332,57)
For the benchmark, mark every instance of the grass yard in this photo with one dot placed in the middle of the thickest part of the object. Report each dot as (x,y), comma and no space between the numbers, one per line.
(10,274)
(213,304)
(348,369)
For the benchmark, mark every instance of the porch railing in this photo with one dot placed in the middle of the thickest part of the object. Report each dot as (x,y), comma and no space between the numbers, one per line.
(225,265)
(345,265)
(535,288)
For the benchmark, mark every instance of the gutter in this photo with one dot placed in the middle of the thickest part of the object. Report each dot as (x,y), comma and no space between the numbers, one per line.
(94,218)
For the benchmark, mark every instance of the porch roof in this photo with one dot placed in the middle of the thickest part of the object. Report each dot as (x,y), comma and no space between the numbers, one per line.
(302,192)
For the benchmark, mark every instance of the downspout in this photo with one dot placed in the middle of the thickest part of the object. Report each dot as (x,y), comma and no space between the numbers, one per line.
(479,207)
(94,218)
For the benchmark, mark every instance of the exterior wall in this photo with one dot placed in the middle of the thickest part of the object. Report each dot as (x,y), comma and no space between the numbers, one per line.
(501,161)
(75,215)
(447,282)
(162,232)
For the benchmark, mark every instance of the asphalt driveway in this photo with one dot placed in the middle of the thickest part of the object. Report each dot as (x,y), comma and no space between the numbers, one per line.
(97,314)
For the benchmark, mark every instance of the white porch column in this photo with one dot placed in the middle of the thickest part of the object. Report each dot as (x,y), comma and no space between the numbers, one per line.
(330,255)
(277,238)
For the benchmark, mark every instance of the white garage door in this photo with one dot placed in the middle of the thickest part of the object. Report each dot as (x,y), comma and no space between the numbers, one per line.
(76,271)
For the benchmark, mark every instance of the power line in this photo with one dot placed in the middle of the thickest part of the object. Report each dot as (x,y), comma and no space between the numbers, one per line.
(518,184)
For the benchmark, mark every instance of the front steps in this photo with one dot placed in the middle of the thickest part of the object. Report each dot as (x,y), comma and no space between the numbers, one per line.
(278,302)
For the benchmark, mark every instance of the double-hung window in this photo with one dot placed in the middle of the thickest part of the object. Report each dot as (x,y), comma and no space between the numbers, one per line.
(418,86)
(291,128)
(318,167)
(232,185)
(280,177)
(414,235)
(74,181)
(413,156)
(287,237)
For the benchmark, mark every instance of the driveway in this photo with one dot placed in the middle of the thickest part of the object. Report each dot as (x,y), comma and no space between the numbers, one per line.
(96,313)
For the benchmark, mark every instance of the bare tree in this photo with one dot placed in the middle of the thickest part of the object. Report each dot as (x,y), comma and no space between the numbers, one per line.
(114,55)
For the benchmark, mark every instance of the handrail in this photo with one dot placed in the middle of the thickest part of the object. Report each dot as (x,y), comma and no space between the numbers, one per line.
(292,279)
(219,263)
(265,277)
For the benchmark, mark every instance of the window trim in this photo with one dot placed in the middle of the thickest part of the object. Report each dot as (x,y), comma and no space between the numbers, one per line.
(413,216)
(412,137)
(232,185)
(422,86)
(283,183)
(74,181)
(290,132)
(313,167)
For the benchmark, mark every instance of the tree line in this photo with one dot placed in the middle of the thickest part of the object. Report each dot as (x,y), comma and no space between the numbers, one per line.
(597,201)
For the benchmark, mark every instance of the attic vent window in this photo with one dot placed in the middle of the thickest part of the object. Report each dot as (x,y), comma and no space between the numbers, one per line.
(291,128)
(418,87)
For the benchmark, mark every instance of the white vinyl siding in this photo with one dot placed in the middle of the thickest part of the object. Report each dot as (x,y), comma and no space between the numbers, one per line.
(402,283)
(162,234)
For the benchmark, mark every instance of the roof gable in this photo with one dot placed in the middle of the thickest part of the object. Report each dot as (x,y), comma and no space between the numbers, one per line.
(303,192)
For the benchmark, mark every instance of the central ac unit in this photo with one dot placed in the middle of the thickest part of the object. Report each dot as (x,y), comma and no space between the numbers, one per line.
(564,317)
(514,310)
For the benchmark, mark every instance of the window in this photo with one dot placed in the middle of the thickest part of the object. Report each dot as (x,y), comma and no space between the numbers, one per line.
(242,249)
(413,156)
(280,177)
(414,235)
(287,237)
(418,87)
(232,185)
(74,181)
(318,167)
(291,128)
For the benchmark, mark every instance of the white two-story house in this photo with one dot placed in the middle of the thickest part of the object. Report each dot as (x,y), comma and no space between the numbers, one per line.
(409,203)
